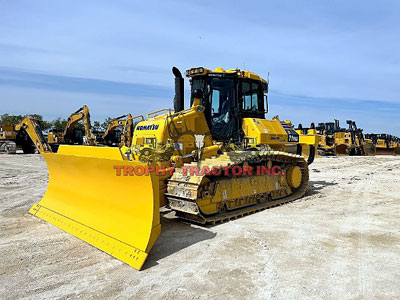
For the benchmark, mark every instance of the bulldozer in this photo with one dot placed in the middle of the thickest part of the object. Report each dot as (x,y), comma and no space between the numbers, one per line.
(352,142)
(201,162)
(335,140)
(72,135)
(326,133)
(385,144)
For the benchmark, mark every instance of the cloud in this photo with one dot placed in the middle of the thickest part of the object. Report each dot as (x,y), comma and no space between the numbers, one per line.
(26,79)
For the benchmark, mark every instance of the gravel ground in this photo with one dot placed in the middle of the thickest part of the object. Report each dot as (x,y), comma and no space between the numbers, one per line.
(341,241)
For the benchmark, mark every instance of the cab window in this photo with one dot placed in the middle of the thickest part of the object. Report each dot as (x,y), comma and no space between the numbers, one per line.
(222,97)
(250,96)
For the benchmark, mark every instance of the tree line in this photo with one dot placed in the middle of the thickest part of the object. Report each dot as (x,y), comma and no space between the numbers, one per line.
(59,123)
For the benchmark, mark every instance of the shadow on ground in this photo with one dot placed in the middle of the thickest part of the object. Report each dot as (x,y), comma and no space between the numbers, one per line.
(315,187)
(174,237)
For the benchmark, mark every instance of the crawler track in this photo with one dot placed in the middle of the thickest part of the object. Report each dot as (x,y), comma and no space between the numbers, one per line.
(189,195)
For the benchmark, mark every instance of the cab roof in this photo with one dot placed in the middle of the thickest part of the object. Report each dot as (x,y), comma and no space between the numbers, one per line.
(200,71)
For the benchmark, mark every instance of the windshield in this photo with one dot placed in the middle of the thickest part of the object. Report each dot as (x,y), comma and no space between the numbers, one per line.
(330,128)
(221,98)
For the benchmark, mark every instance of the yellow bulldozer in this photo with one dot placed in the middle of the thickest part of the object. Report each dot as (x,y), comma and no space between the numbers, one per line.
(211,162)
(335,140)
(352,142)
(385,144)
(326,132)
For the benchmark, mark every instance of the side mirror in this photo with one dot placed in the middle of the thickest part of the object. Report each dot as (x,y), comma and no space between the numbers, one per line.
(266,103)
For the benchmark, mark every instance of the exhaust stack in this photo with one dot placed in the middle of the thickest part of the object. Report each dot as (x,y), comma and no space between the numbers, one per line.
(179,101)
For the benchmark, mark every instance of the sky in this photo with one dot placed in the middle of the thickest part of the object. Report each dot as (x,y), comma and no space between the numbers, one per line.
(326,59)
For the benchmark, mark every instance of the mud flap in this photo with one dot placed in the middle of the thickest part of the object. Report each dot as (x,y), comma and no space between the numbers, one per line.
(86,198)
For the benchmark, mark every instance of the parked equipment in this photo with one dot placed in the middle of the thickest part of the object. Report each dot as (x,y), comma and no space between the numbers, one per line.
(72,135)
(351,141)
(26,135)
(326,132)
(112,136)
(335,140)
(33,129)
(385,144)
(309,140)
(8,137)
(112,202)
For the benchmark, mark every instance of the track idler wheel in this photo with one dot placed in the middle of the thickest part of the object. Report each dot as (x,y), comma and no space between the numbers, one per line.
(294,176)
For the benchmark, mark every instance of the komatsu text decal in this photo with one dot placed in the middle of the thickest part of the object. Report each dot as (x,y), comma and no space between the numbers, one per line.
(147,127)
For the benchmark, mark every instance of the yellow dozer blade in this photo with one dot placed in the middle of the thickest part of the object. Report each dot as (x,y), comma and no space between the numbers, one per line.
(369,149)
(117,214)
(341,149)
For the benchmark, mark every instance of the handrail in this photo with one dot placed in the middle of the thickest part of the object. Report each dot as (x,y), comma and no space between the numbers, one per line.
(157,111)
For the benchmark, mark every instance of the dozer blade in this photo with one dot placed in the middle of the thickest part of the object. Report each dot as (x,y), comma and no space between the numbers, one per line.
(85,197)
(388,151)
(369,149)
(396,150)
(342,149)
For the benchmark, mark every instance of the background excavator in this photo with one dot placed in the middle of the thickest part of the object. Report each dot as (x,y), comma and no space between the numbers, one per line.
(33,129)
(112,200)
(71,135)
(113,135)
(18,136)
(123,138)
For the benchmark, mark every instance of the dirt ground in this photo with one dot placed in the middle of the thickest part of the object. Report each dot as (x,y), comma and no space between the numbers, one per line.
(341,241)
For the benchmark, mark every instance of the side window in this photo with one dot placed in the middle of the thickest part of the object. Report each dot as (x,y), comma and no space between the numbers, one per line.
(246,96)
(254,96)
(197,83)
(250,96)
(215,97)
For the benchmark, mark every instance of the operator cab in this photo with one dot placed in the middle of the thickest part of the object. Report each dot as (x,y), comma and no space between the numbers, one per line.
(228,96)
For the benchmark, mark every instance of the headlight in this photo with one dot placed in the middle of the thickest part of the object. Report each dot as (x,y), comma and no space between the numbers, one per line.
(194,71)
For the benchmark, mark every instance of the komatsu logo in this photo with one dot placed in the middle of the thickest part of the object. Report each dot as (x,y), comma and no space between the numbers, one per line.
(147,127)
